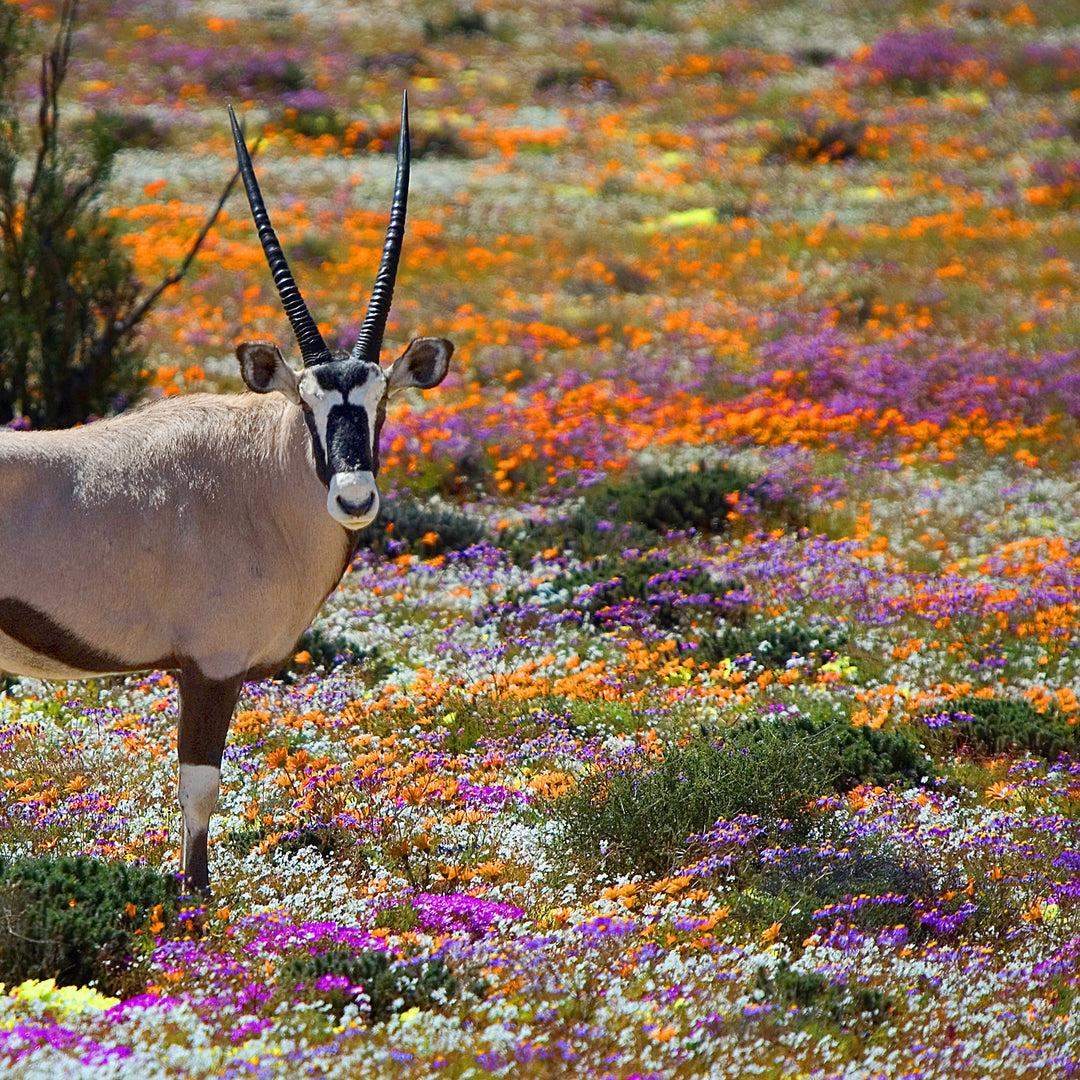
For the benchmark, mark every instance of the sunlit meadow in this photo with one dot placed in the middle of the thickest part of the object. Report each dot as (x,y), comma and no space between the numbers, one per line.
(780,780)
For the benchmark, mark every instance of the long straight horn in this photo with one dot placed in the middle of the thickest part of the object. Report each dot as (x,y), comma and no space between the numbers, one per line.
(312,346)
(371,332)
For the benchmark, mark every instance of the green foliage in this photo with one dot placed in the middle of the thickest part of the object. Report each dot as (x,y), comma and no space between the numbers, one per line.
(818,141)
(859,755)
(400,918)
(591,80)
(314,121)
(772,644)
(458,21)
(639,815)
(996,726)
(848,1005)
(66,287)
(328,647)
(807,881)
(126,130)
(427,528)
(371,980)
(69,919)
(639,511)
(658,582)
(70,302)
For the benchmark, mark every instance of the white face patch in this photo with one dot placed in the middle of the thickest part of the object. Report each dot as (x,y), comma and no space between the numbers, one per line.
(369,394)
(320,401)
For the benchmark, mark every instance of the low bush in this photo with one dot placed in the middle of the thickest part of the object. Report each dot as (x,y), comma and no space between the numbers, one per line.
(817,997)
(870,890)
(78,920)
(772,644)
(424,528)
(636,814)
(71,304)
(372,981)
(131,130)
(615,590)
(998,725)
(819,141)
(590,81)
(859,755)
(312,121)
(457,21)
(638,512)
(322,648)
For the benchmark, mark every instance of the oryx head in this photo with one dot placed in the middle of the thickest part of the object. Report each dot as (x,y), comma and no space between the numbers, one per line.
(343,395)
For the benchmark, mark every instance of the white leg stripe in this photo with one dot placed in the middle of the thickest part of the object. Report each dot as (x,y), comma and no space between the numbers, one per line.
(198,795)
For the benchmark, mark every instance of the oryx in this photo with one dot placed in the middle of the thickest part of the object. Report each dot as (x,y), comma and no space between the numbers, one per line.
(201,533)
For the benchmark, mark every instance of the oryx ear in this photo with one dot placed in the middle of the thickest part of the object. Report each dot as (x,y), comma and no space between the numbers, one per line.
(264,369)
(423,364)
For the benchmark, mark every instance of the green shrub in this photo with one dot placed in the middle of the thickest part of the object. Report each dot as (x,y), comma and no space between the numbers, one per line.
(996,725)
(639,511)
(371,980)
(818,141)
(128,130)
(329,647)
(772,644)
(70,919)
(458,21)
(639,815)
(662,585)
(70,302)
(313,121)
(846,1004)
(591,80)
(663,502)
(427,528)
(797,885)
(859,755)
(400,918)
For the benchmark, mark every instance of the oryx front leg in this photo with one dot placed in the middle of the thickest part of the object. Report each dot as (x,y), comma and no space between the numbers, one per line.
(206,707)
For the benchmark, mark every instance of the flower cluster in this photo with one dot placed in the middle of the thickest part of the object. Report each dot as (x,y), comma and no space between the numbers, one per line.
(507,811)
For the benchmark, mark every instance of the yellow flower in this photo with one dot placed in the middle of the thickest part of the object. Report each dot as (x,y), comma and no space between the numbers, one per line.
(66,1000)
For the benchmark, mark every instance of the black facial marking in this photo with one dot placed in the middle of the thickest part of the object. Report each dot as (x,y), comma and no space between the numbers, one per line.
(348,445)
(322,469)
(348,440)
(380,419)
(39,633)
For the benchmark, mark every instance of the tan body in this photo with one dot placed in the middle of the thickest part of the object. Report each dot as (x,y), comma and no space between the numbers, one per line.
(114,532)
(202,533)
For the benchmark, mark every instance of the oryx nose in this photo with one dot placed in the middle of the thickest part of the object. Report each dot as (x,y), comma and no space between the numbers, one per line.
(358,508)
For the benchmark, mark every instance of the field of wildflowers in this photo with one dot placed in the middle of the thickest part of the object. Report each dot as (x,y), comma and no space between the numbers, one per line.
(706,705)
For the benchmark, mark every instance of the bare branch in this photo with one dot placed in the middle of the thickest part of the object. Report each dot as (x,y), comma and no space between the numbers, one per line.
(137,314)
(53,72)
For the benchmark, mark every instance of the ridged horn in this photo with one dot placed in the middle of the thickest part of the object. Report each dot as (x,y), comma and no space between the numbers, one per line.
(312,346)
(371,332)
